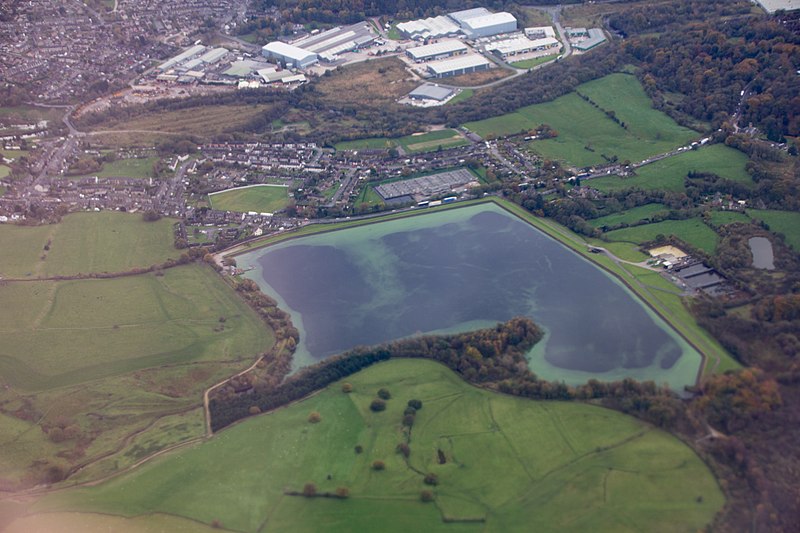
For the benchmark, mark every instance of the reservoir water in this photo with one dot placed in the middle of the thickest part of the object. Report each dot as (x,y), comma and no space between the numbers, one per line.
(763,256)
(464,269)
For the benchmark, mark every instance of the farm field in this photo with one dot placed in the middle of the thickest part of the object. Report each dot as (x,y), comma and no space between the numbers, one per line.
(128,168)
(668,174)
(258,198)
(586,135)
(692,231)
(138,349)
(85,242)
(720,218)
(629,216)
(550,460)
(785,222)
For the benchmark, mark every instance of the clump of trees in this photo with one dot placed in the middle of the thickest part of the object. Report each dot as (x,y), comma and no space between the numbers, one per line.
(377,405)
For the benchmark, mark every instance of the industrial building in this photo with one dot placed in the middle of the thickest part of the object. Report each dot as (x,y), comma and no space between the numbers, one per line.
(595,37)
(460,16)
(458,65)
(520,45)
(431,92)
(183,56)
(488,25)
(429,28)
(438,50)
(289,55)
(330,43)
(540,32)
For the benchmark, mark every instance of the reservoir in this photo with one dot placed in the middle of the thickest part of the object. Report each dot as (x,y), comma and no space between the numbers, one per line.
(463,269)
(761,249)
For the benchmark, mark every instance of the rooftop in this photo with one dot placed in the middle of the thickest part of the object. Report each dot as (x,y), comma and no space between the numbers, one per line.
(442,47)
(457,63)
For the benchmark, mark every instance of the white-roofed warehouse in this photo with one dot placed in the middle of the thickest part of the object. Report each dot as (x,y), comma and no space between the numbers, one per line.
(291,56)
(437,50)
(458,65)
(487,25)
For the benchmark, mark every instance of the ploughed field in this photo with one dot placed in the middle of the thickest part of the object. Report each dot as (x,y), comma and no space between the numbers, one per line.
(501,464)
(463,269)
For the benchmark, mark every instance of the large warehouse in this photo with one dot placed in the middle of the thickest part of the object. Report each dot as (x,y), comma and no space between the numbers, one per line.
(431,92)
(330,43)
(289,55)
(458,65)
(488,25)
(521,45)
(438,50)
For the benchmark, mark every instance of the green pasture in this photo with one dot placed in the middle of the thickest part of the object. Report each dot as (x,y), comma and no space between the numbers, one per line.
(692,231)
(128,168)
(373,143)
(629,216)
(552,466)
(669,174)
(139,350)
(258,198)
(784,222)
(85,242)
(721,218)
(586,136)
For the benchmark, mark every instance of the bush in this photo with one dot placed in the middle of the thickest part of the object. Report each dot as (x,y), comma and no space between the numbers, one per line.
(410,411)
(384,394)
(377,405)
(347,387)
(314,417)
(309,490)
(378,465)
(416,404)
(426,496)
(254,410)
(342,492)
(408,420)
(431,479)
(359,448)
(403,449)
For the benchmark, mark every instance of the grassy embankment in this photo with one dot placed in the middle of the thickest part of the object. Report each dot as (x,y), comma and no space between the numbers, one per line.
(259,198)
(110,369)
(553,466)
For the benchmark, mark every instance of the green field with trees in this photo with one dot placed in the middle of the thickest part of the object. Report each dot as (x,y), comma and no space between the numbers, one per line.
(692,231)
(593,125)
(629,216)
(338,462)
(128,168)
(138,349)
(258,198)
(786,223)
(420,142)
(669,174)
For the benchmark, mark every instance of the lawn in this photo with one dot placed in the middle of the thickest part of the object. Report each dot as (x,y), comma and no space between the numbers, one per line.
(85,242)
(128,168)
(373,143)
(114,357)
(4,171)
(784,222)
(553,466)
(586,136)
(669,174)
(629,216)
(258,198)
(692,231)
(720,218)
(530,63)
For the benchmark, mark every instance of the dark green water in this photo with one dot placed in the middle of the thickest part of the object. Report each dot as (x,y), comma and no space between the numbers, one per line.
(463,269)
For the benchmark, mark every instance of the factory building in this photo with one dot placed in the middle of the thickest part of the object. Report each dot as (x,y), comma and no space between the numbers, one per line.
(521,45)
(429,28)
(458,65)
(488,25)
(438,50)
(183,56)
(430,92)
(330,43)
(461,16)
(289,55)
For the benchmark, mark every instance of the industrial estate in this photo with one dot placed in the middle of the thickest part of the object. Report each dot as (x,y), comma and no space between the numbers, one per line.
(288,265)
